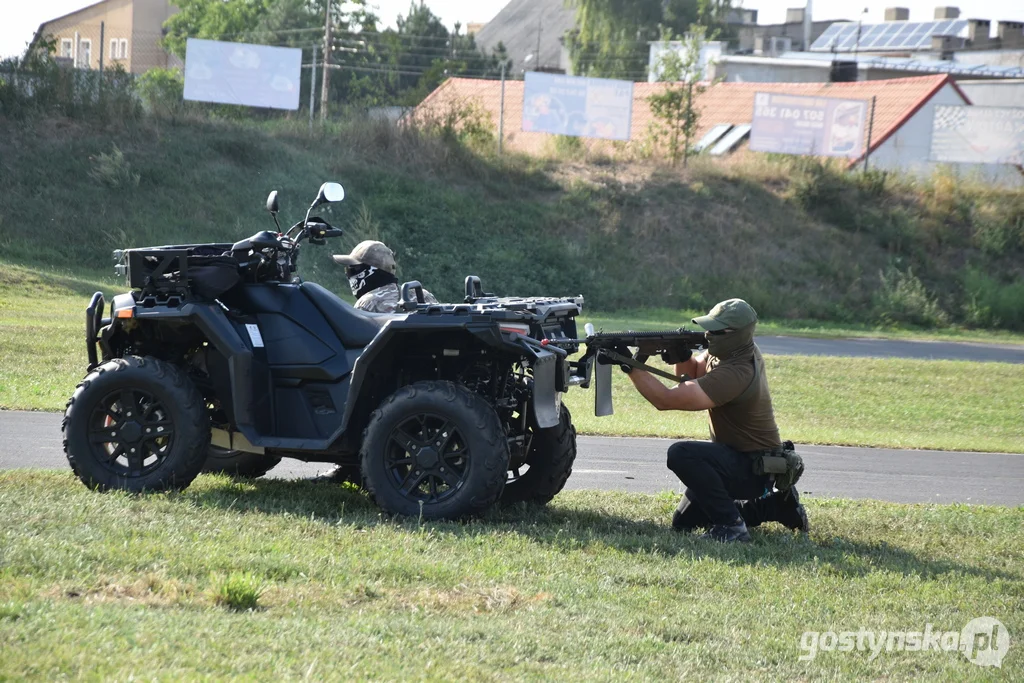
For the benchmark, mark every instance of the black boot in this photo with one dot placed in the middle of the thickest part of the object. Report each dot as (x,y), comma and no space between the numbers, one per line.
(728,533)
(792,513)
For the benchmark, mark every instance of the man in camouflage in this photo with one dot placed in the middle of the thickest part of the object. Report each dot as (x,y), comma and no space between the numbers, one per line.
(730,383)
(370,269)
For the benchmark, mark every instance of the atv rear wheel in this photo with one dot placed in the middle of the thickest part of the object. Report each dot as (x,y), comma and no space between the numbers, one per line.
(238,463)
(434,449)
(136,424)
(548,464)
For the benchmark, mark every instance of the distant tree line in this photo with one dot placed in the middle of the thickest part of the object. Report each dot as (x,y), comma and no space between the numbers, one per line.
(373,66)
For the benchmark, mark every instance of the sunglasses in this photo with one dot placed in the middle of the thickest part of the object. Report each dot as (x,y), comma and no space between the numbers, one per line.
(718,333)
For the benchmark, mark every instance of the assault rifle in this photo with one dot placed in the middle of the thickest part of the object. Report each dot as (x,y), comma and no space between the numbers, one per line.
(673,346)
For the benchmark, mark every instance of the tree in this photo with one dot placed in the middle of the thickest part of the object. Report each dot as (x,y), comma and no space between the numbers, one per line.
(612,37)
(674,105)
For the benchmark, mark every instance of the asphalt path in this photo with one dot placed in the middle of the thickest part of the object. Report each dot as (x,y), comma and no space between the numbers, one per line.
(33,440)
(892,348)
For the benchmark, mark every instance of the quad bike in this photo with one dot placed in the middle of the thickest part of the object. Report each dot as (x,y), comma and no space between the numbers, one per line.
(221,358)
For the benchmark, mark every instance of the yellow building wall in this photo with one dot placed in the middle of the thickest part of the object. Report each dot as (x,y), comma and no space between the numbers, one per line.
(139,22)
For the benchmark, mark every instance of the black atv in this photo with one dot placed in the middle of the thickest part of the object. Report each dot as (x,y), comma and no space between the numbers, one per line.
(221,358)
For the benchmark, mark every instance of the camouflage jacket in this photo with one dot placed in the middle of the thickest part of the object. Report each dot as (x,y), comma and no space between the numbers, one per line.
(385,299)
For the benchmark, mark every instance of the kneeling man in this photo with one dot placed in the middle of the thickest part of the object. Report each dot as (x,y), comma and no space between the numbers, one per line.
(729,382)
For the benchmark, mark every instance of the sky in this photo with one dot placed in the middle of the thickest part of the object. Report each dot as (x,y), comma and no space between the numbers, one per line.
(19,19)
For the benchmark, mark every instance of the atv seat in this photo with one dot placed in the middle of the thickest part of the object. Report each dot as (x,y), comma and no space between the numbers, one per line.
(354,327)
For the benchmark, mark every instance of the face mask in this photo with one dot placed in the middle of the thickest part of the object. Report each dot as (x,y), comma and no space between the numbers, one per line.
(363,278)
(723,346)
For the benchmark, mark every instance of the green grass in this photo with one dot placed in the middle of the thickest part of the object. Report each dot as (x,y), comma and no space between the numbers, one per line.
(945,405)
(594,587)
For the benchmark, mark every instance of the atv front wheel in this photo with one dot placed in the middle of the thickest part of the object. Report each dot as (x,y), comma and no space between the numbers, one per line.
(136,424)
(548,464)
(238,463)
(434,449)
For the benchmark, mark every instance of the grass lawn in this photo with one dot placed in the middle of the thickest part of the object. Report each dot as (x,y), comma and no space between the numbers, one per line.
(594,587)
(946,405)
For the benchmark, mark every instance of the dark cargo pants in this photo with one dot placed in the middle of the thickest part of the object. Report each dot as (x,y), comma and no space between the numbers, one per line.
(716,476)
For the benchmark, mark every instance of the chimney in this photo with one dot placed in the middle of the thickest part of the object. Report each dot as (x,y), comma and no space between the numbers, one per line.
(1011,34)
(947,12)
(978,30)
(808,27)
(897,13)
(795,15)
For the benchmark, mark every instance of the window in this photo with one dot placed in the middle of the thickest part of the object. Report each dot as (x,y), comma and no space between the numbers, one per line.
(124,48)
(67,48)
(115,52)
(84,53)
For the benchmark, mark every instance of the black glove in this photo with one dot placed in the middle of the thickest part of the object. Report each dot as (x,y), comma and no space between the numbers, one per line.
(603,359)
(676,356)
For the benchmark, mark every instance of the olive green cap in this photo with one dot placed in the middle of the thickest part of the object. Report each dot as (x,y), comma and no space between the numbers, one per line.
(731,313)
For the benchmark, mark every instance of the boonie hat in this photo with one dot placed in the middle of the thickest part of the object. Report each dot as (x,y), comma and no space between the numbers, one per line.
(731,313)
(371,253)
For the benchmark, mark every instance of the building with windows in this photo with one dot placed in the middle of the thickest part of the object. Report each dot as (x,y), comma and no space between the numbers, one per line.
(111,32)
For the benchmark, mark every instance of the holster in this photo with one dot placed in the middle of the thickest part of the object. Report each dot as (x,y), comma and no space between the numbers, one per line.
(784,465)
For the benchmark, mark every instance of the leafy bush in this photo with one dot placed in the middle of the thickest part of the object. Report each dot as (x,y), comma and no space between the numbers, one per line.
(991,303)
(902,298)
(162,91)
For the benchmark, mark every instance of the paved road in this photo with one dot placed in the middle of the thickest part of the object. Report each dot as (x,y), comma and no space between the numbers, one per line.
(892,348)
(638,465)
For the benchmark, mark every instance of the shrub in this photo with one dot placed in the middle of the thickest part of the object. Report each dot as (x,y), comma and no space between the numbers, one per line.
(991,303)
(902,298)
(113,170)
(162,92)
(240,592)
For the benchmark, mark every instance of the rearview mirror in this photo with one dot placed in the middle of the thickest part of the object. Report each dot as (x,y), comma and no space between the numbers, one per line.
(272,202)
(330,192)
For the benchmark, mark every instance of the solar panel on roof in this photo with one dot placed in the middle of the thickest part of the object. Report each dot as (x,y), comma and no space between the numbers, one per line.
(712,137)
(889,35)
(734,137)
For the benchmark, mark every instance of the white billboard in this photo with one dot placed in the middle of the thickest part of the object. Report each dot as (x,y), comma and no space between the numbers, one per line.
(819,126)
(240,73)
(978,135)
(573,105)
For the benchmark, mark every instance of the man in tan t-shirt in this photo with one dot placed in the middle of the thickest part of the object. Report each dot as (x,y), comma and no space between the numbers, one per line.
(730,383)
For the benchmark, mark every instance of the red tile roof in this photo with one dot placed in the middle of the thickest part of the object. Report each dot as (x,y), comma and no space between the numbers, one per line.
(896,101)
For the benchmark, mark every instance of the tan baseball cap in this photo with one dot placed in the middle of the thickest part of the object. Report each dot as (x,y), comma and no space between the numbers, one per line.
(371,253)
(731,313)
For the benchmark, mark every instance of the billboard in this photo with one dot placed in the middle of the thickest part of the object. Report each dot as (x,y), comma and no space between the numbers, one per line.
(978,135)
(573,105)
(819,126)
(240,73)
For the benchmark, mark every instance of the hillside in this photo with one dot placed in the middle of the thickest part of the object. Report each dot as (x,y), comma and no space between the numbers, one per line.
(797,239)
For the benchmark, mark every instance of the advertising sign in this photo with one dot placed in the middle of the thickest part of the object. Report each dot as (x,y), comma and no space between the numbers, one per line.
(818,126)
(577,106)
(240,73)
(978,135)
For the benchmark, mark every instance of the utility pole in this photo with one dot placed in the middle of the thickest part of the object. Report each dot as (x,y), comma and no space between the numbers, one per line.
(325,87)
(99,82)
(501,115)
(871,129)
(538,42)
(312,88)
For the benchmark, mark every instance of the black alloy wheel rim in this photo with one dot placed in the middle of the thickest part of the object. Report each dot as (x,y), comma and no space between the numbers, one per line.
(131,433)
(427,458)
